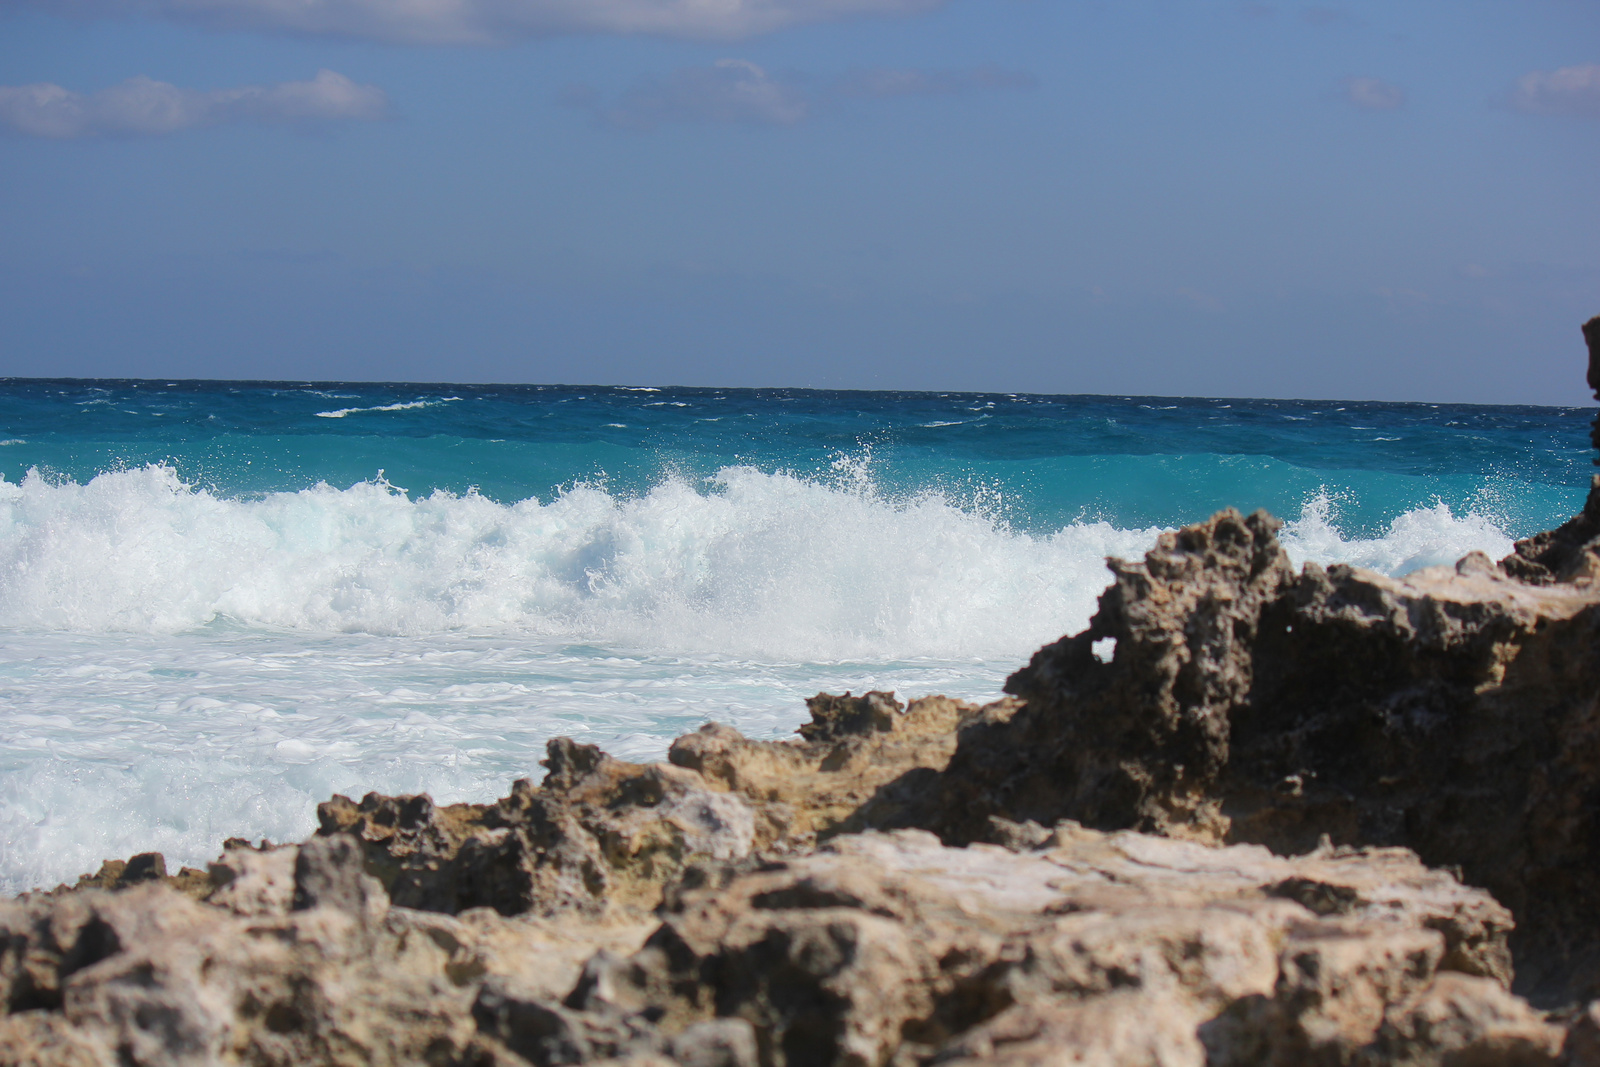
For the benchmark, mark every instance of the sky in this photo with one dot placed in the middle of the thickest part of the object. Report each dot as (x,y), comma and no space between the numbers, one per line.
(1358,200)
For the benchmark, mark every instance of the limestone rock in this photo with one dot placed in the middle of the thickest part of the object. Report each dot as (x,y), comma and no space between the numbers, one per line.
(875,949)
(1453,712)
(1096,948)
(861,762)
(332,975)
(1212,847)
(604,838)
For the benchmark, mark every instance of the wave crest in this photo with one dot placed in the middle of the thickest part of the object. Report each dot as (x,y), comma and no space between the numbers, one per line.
(751,563)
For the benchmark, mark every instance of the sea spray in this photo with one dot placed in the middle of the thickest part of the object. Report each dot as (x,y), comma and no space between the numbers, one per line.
(1421,537)
(747,563)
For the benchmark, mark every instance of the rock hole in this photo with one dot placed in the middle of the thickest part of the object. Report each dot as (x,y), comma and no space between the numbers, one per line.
(1104,649)
(283,1018)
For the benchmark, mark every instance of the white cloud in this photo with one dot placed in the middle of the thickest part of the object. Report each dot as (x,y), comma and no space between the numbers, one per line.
(1571,91)
(144,107)
(490,21)
(738,91)
(1374,94)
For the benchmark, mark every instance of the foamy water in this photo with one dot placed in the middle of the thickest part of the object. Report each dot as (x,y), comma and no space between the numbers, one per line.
(184,665)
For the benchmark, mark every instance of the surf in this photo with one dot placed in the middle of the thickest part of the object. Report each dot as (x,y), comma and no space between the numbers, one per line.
(744,562)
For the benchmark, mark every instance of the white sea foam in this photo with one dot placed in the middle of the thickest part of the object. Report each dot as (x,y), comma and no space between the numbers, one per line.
(750,564)
(1422,537)
(182,667)
(411,405)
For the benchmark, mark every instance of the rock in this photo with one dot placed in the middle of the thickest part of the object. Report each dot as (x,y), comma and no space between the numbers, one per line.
(874,949)
(1562,554)
(330,872)
(252,882)
(1582,1047)
(1117,1030)
(1464,1019)
(882,948)
(605,838)
(863,760)
(149,976)
(145,867)
(1451,712)
(1591,336)
(1565,554)
(549,1034)
(716,1043)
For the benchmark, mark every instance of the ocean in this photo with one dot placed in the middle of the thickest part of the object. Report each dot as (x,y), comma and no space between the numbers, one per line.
(221,603)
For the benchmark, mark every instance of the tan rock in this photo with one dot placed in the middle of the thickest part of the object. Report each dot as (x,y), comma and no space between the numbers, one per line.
(1116,1030)
(604,838)
(882,948)
(875,949)
(1451,712)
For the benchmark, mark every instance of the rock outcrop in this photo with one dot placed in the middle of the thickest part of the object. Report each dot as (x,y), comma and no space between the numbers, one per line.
(1559,555)
(873,949)
(603,838)
(1452,712)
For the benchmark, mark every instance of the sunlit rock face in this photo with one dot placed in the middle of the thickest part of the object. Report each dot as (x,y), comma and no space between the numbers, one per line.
(875,948)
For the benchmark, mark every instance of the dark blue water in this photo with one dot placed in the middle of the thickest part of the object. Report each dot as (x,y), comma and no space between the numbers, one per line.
(1040,461)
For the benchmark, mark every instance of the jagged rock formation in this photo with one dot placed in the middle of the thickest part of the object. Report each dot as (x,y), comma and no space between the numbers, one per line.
(1559,555)
(874,949)
(733,907)
(603,838)
(1452,712)
(296,957)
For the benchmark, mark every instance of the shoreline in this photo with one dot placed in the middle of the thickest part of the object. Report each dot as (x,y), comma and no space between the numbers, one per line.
(1252,814)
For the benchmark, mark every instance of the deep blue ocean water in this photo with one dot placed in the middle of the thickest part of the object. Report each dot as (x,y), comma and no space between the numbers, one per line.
(222,602)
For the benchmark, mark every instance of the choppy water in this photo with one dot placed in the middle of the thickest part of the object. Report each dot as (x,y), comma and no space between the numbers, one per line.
(221,602)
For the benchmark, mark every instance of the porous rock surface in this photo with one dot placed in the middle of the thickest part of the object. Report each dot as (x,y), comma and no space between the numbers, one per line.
(601,837)
(876,948)
(1452,712)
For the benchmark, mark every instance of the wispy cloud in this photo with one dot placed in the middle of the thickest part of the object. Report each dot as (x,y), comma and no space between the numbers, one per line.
(142,107)
(1374,94)
(1573,91)
(492,21)
(738,91)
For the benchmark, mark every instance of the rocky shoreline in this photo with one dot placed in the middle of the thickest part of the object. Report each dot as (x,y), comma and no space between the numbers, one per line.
(1248,816)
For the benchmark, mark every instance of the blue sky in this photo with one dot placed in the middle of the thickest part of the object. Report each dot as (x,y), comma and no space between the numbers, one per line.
(1359,200)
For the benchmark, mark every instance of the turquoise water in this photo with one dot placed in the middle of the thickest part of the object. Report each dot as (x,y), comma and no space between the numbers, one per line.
(222,602)
(1045,461)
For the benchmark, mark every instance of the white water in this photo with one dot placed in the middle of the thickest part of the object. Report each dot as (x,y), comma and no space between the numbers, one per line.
(181,667)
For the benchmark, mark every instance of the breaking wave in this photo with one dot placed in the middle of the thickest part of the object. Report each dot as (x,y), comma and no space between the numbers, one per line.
(744,563)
